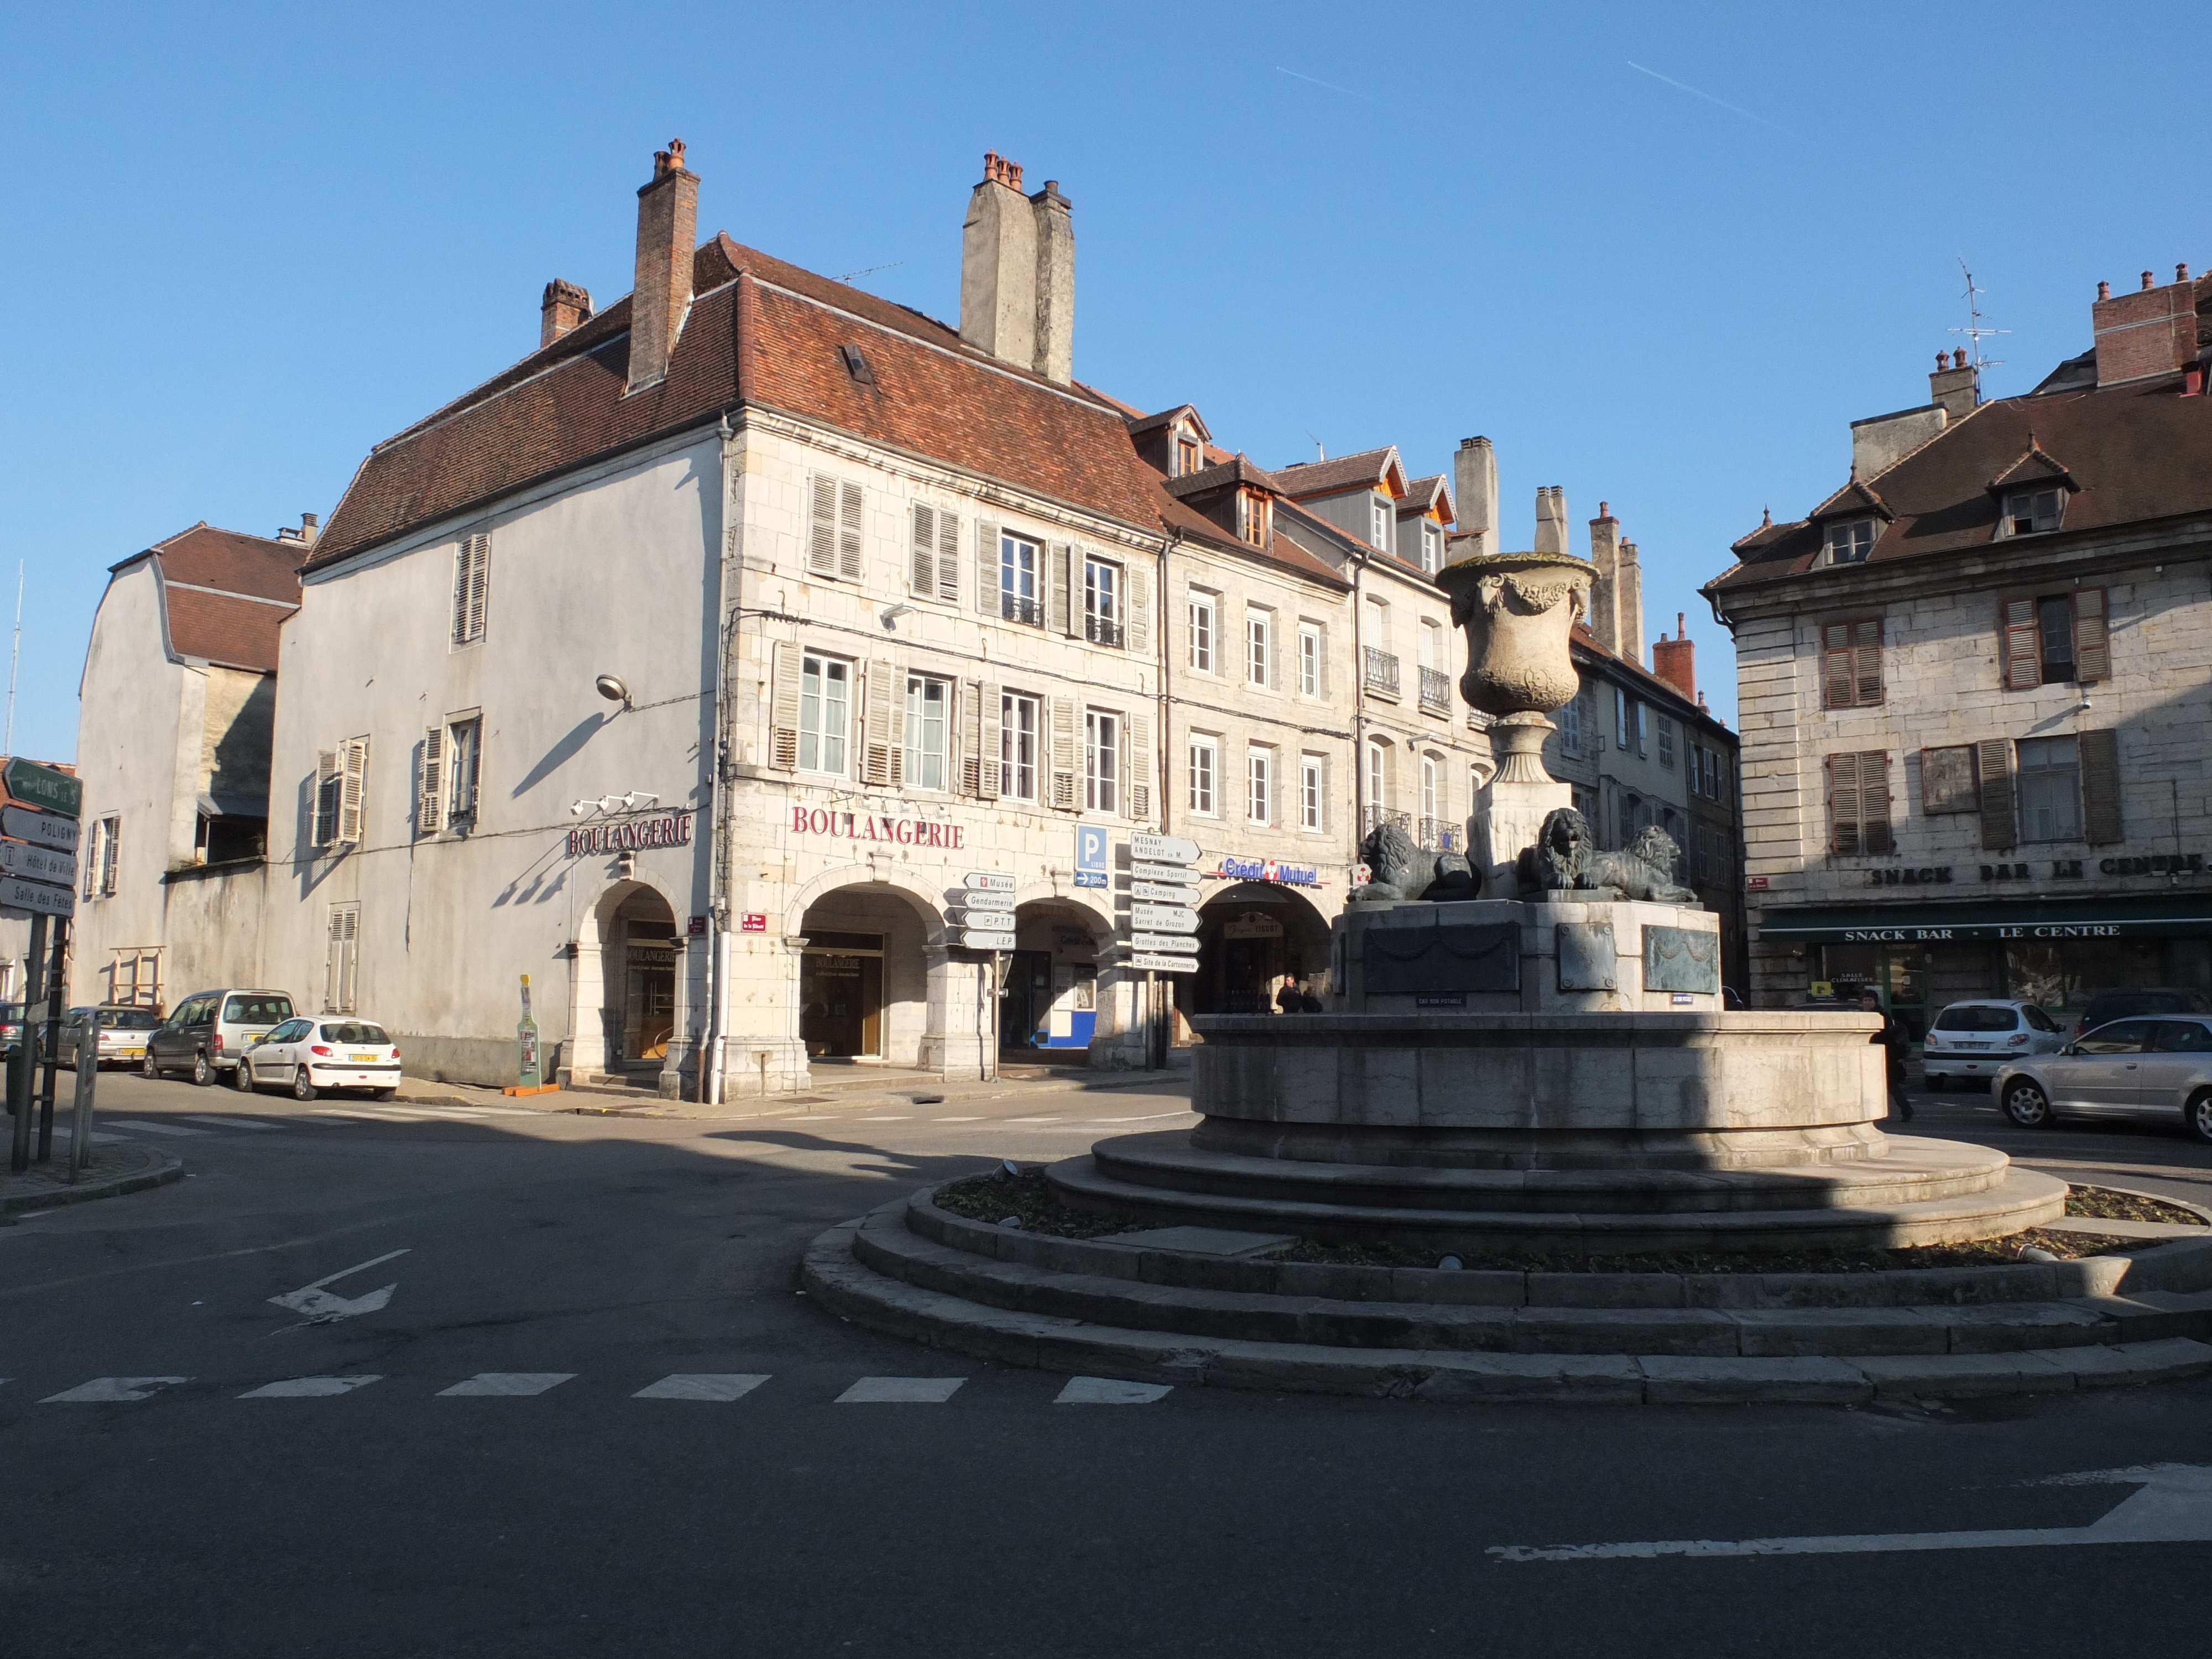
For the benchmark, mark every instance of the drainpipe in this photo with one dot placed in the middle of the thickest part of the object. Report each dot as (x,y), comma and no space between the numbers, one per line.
(1159,1031)
(712,1070)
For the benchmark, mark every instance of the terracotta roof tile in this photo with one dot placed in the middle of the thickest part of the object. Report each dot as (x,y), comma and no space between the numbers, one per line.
(1369,467)
(238,633)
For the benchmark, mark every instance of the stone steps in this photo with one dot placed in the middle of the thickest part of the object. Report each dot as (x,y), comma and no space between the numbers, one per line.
(836,1276)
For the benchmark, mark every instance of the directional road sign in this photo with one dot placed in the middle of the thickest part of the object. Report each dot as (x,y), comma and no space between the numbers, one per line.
(1160,892)
(987,881)
(1163,918)
(1161,872)
(43,829)
(975,939)
(17,894)
(1162,849)
(20,858)
(976,899)
(990,921)
(1165,965)
(1177,942)
(43,787)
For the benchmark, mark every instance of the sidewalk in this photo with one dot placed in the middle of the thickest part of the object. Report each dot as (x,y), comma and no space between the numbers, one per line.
(112,1171)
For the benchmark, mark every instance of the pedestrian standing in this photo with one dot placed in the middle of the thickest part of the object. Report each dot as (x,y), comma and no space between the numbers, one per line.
(1896,1043)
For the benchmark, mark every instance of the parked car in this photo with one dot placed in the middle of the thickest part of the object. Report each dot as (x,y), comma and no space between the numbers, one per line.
(310,1055)
(211,1029)
(1973,1039)
(2108,1006)
(2132,1067)
(122,1034)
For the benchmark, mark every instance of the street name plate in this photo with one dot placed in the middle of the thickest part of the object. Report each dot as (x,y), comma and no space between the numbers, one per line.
(975,939)
(989,881)
(1166,964)
(990,921)
(1162,872)
(978,898)
(22,895)
(1162,849)
(1160,892)
(1163,918)
(43,787)
(42,828)
(1179,944)
(20,858)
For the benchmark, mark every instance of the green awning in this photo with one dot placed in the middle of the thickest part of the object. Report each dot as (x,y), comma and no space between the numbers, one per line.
(2180,915)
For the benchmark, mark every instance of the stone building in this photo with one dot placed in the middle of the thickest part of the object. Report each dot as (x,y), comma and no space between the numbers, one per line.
(1975,683)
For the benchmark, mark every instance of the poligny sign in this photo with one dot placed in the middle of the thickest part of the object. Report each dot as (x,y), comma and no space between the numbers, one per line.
(631,834)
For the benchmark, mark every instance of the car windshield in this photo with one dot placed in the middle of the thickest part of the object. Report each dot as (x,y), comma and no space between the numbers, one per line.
(2038,1019)
(355,1032)
(129,1019)
(2125,1037)
(255,1009)
(1976,1019)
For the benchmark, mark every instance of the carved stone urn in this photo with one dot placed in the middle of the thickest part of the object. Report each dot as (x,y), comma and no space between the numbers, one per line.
(1517,609)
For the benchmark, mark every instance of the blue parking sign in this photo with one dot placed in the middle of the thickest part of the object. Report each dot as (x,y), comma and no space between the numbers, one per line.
(1090,855)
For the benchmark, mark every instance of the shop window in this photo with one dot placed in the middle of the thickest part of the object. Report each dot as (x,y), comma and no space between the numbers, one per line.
(1310,638)
(1260,779)
(471,588)
(1205,766)
(1313,790)
(1017,746)
(825,712)
(2055,638)
(1102,761)
(1858,805)
(1101,602)
(929,710)
(2049,780)
(1201,617)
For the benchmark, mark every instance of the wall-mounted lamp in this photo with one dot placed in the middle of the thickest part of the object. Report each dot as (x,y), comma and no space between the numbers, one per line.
(630,802)
(613,689)
(891,613)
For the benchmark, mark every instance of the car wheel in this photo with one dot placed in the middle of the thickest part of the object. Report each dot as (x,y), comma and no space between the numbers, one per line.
(1936,1080)
(240,1079)
(146,1068)
(202,1071)
(2026,1104)
(2196,1118)
(303,1086)
(383,1094)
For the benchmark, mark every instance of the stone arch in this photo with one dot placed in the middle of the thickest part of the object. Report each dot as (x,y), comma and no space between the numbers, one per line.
(1240,963)
(601,1025)
(878,980)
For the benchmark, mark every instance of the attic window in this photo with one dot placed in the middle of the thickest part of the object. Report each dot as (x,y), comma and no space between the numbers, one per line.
(1252,517)
(1188,458)
(856,365)
(1849,542)
(1432,548)
(2028,511)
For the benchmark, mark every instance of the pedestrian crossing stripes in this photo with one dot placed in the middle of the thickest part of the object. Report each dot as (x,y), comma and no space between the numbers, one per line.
(702,1386)
(507,1384)
(707,1387)
(900,1390)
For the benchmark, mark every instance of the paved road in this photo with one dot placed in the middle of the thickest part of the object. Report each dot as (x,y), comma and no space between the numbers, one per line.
(602,1422)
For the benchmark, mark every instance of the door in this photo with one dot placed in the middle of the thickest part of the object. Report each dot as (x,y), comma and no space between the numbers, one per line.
(2100,1075)
(841,1000)
(1025,1002)
(2179,1055)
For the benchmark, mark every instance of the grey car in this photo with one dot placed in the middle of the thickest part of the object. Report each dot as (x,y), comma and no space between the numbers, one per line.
(2146,1067)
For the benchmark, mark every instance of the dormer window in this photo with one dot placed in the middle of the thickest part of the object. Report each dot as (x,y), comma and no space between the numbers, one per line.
(1383,517)
(1188,458)
(1851,541)
(1432,548)
(2029,511)
(1252,513)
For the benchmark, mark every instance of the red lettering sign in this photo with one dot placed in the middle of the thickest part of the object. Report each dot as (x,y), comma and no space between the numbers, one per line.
(866,826)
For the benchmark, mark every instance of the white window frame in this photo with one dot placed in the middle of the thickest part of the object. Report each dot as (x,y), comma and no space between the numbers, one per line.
(1851,541)
(1102,761)
(1378,776)
(1021,723)
(2020,504)
(1433,546)
(816,742)
(1260,787)
(1259,648)
(1432,786)
(101,856)
(464,781)
(917,730)
(1311,643)
(1202,618)
(1103,601)
(1313,804)
(1204,775)
(1015,574)
(1383,519)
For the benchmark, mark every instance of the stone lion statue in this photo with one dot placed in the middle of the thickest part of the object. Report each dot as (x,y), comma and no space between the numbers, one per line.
(1398,869)
(1566,856)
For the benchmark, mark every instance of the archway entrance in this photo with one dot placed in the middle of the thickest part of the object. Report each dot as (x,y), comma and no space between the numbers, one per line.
(1049,1003)
(864,977)
(640,959)
(1252,938)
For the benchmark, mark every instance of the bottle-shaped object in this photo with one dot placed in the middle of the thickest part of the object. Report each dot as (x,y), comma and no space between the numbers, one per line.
(530,1073)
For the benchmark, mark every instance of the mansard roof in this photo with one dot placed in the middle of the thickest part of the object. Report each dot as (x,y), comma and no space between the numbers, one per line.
(1370,469)
(227,593)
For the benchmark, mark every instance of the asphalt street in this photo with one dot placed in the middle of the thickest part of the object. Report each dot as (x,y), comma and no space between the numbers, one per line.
(594,1416)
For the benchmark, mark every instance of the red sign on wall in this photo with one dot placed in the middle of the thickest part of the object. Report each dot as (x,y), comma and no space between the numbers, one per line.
(755,921)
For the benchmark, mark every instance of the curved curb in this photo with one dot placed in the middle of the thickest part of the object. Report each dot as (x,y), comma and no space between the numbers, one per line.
(166,1167)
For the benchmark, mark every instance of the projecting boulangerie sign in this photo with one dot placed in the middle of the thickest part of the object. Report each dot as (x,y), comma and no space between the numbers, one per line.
(631,834)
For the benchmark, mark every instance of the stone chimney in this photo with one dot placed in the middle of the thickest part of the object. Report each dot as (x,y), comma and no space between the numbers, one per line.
(310,527)
(1474,493)
(2150,332)
(998,266)
(1055,357)
(667,233)
(1550,519)
(1955,387)
(1632,604)
(1675,660)
(1605,594)
(565,305)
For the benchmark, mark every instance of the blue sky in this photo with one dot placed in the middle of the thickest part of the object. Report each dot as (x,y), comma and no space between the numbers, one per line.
(1660,255)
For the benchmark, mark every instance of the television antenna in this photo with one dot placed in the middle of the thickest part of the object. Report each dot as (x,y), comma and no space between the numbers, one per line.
(851,275)
(1976,329)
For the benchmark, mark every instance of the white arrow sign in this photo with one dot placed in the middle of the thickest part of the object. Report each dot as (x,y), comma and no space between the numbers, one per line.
(992,921)
(1162,872)
(322,1307)
(1161,892)
(1178,943)
(36,896)
(20,858)
(1166,964)
(981,901)
(1162,849)
(975,939)
(989,881)
(44,827)
(1163,918)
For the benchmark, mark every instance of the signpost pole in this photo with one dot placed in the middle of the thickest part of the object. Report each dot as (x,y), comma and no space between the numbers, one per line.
(88,1042)
(50,1030)
(19,1064)
(996,991)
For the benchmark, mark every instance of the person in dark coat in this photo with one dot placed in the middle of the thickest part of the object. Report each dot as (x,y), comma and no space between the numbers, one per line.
(1896,1043)
(1287,1000)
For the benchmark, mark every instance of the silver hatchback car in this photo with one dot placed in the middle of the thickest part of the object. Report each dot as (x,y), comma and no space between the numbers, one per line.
(1974,1039)
(2159,1067)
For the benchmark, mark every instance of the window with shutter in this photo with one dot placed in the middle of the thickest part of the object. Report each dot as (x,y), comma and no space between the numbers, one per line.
(987,568)
(2048,788)
(783,709)
(111,852)
(1059,609)
(2023,648)
(1064,773)
(991,772)
(464,754)
(1140,761)
(2093,646)
(1021,740)
(928,709)
(822,527)
(430,794)
(1140,620)
(881,761)
(471,587)
(1851,663)
(921,573)
(1858,805)
(848,532)
(342,959)
(1993,769)
(1102,761)
(328,785)
(948,557)
(352,790)
(2101,788)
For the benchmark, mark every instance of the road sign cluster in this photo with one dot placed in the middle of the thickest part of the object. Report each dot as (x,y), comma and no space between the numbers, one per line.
(1163,900)
(986,913)
(37,840)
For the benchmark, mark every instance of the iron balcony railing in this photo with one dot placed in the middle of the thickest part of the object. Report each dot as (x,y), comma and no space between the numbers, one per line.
(1373,818)
(1382,672)
(1016,609)
(1436,691)
(1440,836)
(1100,631)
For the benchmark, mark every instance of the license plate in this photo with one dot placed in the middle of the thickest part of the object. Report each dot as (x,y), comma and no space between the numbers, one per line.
(1974,1047)
(362,1059)
(131,1054)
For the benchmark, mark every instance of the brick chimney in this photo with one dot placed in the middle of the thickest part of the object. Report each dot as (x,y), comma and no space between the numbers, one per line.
(2150,332)
(1955,386)
(1055,357)
(1675,660)
(1550,519)
(667,233)
(1605,594)
(565,305)
(1474,493)
(998,266)
(1632,604)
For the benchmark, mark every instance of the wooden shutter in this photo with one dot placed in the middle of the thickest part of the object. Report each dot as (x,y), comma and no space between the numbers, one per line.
(921,575)
(2100,787)
(479,584)
(783,708)
(822,530)
(1328,783)
(1064,757)
(848,532)
(1993,764)
(948,557)
(2093,643)
(1843,805)
(429,801)
(1138,603)
(989,781)
(1866,655)
(970,770)
(327,774)
(1063,610)
(1137,764)
(352,790)
(2023,651)
(883,755)
(987,568)
(1836,672)
(1874,804)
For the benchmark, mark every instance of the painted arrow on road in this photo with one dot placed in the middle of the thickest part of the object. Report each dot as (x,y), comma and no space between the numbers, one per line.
(322,1307)
(2172,1504)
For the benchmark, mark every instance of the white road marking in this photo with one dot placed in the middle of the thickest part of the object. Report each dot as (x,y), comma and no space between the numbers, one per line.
(882,1120)
(508,1383)
(1110,1391)
(112,1389)
(308,1387)
(154,1128)
(322,1307)
(700,1385)
(2172,1504)
(228,1122)
(1054,1118)
(900,1390)
(957,1120)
